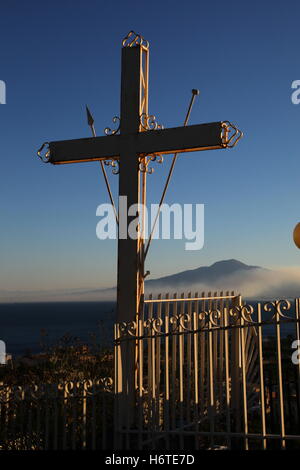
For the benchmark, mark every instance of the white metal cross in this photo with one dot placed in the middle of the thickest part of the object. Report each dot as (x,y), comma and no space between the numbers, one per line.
(130,149)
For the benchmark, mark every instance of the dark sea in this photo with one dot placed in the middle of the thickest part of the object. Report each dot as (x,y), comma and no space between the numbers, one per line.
(33,327)
(30,327)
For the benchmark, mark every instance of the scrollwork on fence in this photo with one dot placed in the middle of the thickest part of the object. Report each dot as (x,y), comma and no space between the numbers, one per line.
(242,312)
(127,329)
(107,384)
(181,322)
(278,307)
(210,318)
(215,316)
(36,392)
(30,392)
(153,325)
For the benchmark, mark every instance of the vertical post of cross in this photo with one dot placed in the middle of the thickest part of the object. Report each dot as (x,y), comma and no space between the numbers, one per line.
(132,186)
(130,275)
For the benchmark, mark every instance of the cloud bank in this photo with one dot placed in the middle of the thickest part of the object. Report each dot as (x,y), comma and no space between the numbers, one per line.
(256,283)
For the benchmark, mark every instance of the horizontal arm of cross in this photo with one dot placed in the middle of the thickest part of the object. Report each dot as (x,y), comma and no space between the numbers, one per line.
(164,141)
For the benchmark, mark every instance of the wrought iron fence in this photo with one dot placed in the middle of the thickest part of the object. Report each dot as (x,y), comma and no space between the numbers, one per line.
(194,372)
(210,371)
(71,415)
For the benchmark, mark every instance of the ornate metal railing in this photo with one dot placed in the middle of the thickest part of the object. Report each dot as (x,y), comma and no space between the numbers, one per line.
(213,371)
(210,371)
(70,415)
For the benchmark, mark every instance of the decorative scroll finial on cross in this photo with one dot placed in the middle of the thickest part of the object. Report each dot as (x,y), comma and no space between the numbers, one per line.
(44,152)
(133,39)
(230,134)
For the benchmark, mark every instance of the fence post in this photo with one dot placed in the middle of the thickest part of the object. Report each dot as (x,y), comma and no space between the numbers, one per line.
(125,381)
(236,371)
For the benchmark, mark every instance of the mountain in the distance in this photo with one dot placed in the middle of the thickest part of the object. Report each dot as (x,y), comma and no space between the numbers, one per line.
(205,275)
(227,275)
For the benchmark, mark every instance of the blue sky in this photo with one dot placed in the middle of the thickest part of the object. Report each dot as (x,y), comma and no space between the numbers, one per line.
(56,56)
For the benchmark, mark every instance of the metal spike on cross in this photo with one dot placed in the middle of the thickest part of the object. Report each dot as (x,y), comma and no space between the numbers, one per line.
(91,121)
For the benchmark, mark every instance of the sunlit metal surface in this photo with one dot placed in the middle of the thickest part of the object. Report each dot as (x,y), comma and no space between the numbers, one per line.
(230,134)
(212,370)
(133,39)
(144,162)
(148,122)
